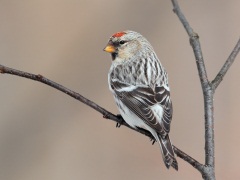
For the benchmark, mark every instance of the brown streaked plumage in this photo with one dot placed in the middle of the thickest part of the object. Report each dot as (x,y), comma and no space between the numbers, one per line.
(139,84)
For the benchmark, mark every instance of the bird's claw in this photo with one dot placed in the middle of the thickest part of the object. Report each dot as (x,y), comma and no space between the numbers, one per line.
(153,140)
(118,125)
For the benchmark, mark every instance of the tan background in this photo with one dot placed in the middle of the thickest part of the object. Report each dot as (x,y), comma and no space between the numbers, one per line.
(44,134)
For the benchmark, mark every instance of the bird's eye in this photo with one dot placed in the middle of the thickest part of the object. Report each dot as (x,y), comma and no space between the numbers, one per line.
(122,42)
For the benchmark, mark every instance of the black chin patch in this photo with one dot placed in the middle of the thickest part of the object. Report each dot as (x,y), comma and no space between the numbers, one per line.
(114,55)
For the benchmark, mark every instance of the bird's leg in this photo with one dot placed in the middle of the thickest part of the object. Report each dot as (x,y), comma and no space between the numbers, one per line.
(118,125)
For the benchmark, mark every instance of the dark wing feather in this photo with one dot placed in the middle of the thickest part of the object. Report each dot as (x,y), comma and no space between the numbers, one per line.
(140,101)
(163,97)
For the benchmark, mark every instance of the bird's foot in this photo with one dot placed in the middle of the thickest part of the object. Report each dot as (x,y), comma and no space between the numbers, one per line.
(153,140)
(118,125)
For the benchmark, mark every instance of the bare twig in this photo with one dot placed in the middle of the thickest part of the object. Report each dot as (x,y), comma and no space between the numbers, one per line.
(106,114)
(176,9)
(207,94)
(194,40)
(208,170)
(189,159)
(42,79)
(226,66)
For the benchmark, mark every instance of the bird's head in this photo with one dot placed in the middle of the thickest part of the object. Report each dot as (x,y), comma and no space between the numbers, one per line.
(125,45)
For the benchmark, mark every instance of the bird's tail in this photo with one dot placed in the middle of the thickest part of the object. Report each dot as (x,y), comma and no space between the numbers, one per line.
(168,152)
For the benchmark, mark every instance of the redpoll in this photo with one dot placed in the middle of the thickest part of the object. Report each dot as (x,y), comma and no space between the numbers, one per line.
(139,84)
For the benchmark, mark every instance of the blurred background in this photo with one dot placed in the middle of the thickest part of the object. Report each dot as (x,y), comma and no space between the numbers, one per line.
(45,134)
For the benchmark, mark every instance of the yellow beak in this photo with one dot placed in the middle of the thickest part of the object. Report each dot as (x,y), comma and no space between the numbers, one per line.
(110,49)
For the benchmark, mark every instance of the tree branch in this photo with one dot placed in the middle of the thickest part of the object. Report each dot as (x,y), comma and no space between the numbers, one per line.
(208,171)
(194,41)
(106,114)
(189,159)
(226,66)
(178,12)
(40,78)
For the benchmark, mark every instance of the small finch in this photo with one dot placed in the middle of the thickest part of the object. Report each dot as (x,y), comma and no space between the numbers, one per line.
(140,87)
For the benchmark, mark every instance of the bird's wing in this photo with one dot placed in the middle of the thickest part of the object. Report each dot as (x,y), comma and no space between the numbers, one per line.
(153,106)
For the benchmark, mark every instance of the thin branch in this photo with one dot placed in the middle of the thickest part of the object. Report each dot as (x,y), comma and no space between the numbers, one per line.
(106,114)
(42,79)
(226,65)
(189,159)
(177,10)
(207,171)
(194,40)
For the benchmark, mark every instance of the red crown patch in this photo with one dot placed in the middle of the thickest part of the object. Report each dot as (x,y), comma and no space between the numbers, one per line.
(118,34)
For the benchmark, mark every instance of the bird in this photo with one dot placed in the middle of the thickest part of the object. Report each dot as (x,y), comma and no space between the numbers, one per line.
(139,84)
